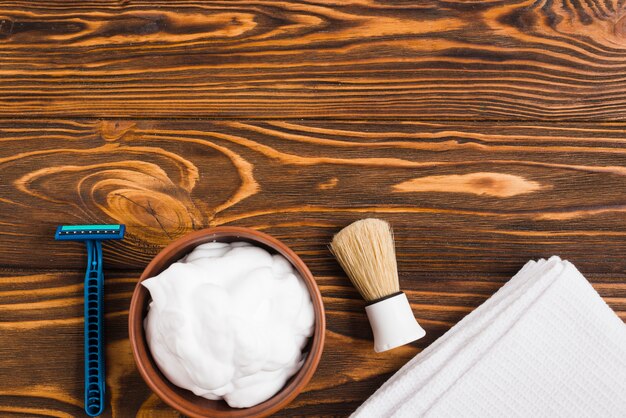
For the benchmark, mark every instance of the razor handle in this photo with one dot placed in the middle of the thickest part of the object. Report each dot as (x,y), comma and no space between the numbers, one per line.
(95,383)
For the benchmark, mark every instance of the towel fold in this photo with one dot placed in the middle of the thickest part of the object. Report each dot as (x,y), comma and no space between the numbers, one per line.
(545,344)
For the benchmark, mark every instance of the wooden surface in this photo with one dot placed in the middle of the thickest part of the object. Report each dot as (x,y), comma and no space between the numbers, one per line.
(486,132)
(520,59)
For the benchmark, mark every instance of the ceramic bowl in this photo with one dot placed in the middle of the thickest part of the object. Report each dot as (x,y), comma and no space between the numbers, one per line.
(183,400)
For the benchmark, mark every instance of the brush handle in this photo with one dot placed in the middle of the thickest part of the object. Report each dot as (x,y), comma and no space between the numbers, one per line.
(94,338)
(393,323)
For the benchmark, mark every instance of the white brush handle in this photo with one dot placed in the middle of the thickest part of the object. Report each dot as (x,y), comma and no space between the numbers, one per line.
(393,323)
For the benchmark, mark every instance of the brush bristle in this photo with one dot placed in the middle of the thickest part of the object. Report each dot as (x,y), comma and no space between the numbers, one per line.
(365,250)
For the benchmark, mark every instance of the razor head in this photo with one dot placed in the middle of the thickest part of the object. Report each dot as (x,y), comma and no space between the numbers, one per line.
(89,232)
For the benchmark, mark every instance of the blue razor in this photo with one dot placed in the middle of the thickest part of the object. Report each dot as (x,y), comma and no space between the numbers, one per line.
(93,235)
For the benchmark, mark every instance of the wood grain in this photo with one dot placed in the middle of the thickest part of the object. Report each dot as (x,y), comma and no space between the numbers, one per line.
(528,190)
(488,132)
(470,204)
(41,314)
(428,60)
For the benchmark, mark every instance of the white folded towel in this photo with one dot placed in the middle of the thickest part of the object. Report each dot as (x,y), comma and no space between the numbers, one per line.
(544,345)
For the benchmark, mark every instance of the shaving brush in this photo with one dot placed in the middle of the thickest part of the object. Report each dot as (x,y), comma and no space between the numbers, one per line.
(366,252)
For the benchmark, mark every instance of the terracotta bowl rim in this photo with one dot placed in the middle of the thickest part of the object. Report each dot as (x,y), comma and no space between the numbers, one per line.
(141,353)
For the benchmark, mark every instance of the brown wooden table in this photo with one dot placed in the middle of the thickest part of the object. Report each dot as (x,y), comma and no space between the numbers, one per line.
(488,132)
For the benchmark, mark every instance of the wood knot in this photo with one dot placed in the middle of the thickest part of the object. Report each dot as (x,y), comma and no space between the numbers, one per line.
(619,27)
(6,27)
(603,22)
(117,130)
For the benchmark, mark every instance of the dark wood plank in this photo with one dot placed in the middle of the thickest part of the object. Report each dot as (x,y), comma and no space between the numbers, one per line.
(504,59)
(41,316)
(462,196)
